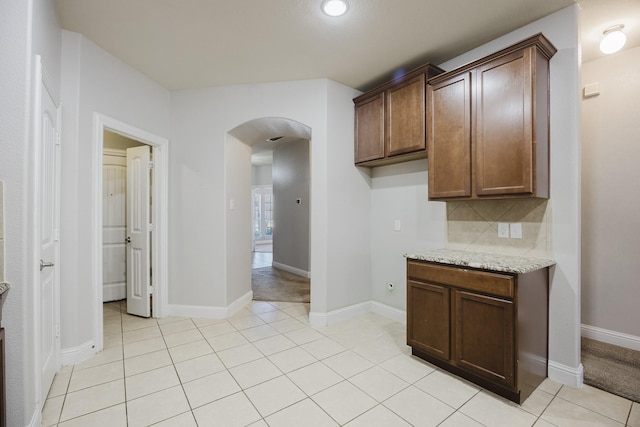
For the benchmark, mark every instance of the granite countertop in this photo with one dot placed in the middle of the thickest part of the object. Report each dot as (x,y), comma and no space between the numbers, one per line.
(485,261)
(4,286)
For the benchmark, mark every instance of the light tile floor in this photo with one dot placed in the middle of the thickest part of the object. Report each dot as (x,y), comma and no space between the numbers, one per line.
(266,366)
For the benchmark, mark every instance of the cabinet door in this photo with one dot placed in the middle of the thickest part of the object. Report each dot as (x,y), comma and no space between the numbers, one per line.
(484,336)
(406,117)
(369,129)
(428,318)
(449,137)
(504,127)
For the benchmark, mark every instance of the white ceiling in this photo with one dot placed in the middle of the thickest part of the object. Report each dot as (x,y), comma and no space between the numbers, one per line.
(185,44)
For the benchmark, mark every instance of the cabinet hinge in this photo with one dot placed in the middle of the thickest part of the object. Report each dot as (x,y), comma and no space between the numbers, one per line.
(58,137)
(150,289)
(151,227)
(57,330)
(151,164)
(56,234)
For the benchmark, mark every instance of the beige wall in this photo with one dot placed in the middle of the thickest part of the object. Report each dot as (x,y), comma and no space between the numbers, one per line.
(610,202)
(473,226)
(118,142)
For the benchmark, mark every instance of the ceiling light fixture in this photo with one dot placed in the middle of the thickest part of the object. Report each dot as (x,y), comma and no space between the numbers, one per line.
(335,7)
(613,40)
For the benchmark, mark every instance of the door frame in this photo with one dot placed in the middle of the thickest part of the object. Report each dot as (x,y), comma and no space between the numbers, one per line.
(160,208)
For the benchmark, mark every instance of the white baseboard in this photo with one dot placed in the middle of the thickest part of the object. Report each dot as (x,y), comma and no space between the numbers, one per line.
(611,337)
(36,419)
(114,292)
(209,312)
(335,316)
(290,269)
(75,355)
(349,312)
(237,305)
(389,312)
(565,374)
(200,311)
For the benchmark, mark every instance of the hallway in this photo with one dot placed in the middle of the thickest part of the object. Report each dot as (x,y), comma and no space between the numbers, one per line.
(273,284)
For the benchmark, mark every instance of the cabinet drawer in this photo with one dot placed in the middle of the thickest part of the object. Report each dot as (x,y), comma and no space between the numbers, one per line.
(479,281)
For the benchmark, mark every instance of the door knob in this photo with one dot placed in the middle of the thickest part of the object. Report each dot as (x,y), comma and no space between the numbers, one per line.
(45,264)
(128,240)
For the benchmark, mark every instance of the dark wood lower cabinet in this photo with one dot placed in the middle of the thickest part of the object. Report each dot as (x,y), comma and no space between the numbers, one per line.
(3,409)
(485,336)
(429,320)
(3,390)
(488,327)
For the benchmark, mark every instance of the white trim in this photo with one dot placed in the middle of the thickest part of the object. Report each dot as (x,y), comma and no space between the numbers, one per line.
(389,312)
(78,354)
(36,418)
(208,312)
(566,374)
(114,292)
(335,316)
(160,251)
(611,337)
(197,311)
(237,305)
(294,270)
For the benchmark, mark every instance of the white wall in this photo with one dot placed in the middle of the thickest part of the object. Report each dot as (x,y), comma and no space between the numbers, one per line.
(14,110)
(561,28)
(93,81)
(399,192)
(349,212)
(291,220)
(261,175)
(238,230)
(610,176)
(200,120)
(26,28)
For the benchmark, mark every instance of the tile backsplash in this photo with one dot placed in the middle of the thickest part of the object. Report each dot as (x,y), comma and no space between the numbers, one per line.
(1,231)
(473,225)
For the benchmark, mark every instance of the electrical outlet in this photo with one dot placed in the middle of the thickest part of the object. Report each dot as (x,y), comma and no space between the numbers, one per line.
(503,230)
(515,230)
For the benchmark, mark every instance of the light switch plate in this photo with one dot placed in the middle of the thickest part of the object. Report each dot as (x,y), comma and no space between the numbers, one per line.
(503,230)
(396,225)
(515,229)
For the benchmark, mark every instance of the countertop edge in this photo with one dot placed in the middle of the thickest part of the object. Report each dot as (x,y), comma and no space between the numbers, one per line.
(4,287)
(484,261)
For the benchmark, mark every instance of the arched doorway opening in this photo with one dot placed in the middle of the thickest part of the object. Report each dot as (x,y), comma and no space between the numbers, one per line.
(279,208)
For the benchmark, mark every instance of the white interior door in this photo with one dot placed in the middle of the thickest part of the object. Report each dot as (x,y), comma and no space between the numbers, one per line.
(138,231)
(114,225)
(48,233)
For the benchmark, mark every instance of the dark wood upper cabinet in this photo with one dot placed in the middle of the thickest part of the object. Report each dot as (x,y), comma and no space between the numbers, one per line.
(488,126)
(390,120)
(449,113)
(370,128)
(406,128)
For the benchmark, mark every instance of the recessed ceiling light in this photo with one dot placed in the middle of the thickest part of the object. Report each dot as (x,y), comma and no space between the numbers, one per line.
(335,7)
(613,40)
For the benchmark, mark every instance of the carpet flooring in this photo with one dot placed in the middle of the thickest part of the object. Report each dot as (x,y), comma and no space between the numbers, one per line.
(611,368)
(272,284)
